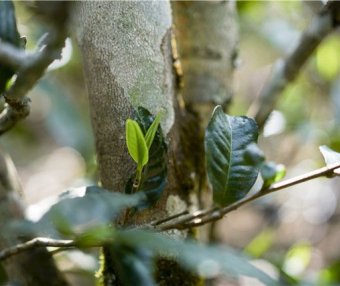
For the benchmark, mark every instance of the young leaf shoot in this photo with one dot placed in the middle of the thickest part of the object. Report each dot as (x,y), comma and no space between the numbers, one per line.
(136,146)
(150,134)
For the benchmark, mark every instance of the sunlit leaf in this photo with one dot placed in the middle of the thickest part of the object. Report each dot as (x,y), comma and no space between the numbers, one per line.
(226,141)
(260,244)
(330,156)
(207,261)
(154,173)
(136,143)
(328,59)
(297,259)
(272,173)
(330,276)
(97,235)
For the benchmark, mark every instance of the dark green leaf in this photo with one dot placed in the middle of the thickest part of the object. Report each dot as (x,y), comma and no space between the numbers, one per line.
(8,33)
(330,156)
(155,172)
(226,141)
(330,275)
(272,173)
(136,144)
(150,134)
(207,261)
(133,265)
(254,155)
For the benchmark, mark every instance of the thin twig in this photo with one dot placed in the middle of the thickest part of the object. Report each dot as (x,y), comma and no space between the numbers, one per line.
(157,222)
(286,70)
(182,221)
(35,242)
(206,216)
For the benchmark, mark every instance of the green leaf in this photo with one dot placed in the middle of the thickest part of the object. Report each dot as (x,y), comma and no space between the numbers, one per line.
(226,141)
(330,156)
(261,243)
(330,275)
(97,235)
(78,212)
(207,261)
(136,143)
(272,173)
(254,155)
(133,265)
(150,134)
(297,259)
(154,173)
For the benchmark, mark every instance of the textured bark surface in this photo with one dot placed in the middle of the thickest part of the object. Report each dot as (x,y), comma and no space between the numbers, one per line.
(127,58)
(35,267)
(126,65)
(206,37)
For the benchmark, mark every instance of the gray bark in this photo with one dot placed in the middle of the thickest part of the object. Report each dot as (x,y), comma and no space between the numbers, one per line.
(125,66)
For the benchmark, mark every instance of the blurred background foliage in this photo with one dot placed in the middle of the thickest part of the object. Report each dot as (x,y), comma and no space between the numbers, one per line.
(295,232)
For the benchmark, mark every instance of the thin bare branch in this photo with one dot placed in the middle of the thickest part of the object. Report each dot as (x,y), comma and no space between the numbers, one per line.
(180,221)
(35,242)
(286,70)
(206,216)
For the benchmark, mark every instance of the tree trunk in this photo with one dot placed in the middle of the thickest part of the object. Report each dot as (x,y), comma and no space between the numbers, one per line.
(206,41)
(126,48)
(127,58)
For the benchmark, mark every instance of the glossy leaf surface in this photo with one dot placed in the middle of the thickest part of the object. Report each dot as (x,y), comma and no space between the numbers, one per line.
(226,141)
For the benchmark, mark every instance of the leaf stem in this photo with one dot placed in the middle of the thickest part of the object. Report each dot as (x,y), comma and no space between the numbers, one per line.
(138,178)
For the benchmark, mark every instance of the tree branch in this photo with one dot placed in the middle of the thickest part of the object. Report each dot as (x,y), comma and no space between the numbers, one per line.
(286,70)
(180,221)
(30,68)
(206,216)
(35,242)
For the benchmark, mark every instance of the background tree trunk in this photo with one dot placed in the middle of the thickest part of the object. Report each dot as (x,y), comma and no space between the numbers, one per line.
(206,38)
